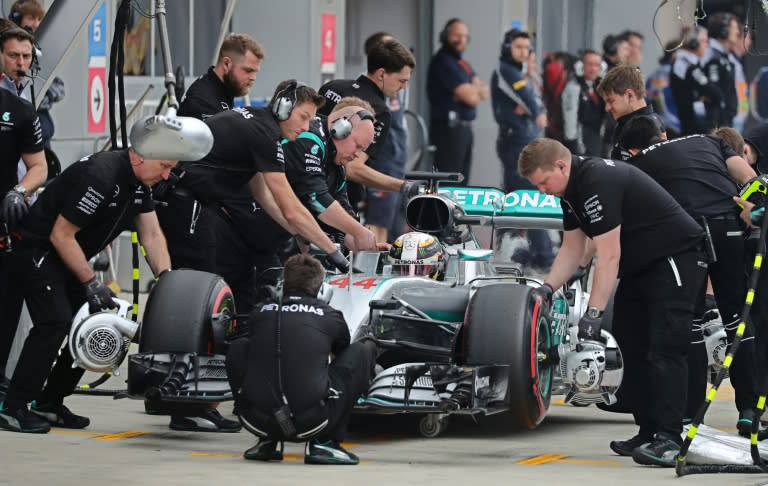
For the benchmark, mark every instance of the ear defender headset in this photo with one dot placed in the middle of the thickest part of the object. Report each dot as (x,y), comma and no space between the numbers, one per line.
(692,42)
(578,66)
(15,14)
(444,32)
(720,25)
(341,128)
(285,100)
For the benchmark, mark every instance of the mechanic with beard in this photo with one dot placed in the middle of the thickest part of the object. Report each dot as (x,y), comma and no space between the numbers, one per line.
(319,184)
(646,239)
(292,378)
(78,215)
(703,174)
(623,91)
(20,137)
(389,69)
(239,60)
(454,91)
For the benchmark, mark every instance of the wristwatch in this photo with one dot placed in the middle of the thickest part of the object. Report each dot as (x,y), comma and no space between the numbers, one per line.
(20,189)
(594,313)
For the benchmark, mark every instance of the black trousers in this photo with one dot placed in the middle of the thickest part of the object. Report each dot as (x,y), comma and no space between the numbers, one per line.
(11,301)
(653,314)
(241,259)
(453,147)
(730,287)
(190,232)
(350,374)
(53,296)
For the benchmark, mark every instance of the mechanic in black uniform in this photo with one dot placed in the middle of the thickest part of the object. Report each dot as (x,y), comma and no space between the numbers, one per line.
(233,75)
(723,27)
(79,213)
(643,236)
(703,174)
(623,91)
(319,184)
(389,69)
(268,374)
(246,150)
(20,136)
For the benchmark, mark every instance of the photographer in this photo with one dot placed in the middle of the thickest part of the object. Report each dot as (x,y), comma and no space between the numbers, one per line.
(281,377)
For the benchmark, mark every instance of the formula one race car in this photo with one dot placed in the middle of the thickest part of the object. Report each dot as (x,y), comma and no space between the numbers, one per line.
(460,332)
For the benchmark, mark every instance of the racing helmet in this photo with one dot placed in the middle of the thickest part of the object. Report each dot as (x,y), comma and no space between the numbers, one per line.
(417,255)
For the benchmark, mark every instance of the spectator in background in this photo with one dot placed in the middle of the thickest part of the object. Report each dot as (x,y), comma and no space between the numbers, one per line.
(723,28)
(616,50)
(737,49)
(454,91)
(583,109)
(635,40)
(659,90)
(519,111)
(691,87)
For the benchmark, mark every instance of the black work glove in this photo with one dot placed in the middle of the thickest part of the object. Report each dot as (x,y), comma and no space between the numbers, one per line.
(544,292)
(339,261)
(589,328)
(99,296)
(14,208)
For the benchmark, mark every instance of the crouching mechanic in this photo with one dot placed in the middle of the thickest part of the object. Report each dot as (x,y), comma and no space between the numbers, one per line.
(643,236)
(284,386)
(80,212)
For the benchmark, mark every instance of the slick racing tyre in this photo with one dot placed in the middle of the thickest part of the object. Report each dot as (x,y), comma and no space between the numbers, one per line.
(178,317)
(505,326)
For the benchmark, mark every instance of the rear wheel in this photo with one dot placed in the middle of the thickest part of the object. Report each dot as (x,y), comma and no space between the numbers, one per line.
(505,326)
(178,317)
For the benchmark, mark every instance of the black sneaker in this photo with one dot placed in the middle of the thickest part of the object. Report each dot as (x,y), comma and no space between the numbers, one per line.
(328,452)
(662,451)
(265,450)
(22,420)
(210,421)
(744,425)
(626,447)
(60,416)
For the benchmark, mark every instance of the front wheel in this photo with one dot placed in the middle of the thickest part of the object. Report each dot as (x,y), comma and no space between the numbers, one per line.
(506,326)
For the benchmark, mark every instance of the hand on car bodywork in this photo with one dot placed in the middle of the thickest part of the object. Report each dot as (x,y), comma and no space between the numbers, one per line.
(544,292)
(589,328)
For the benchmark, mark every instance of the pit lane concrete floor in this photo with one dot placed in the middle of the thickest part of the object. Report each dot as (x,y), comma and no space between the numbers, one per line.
(125,446)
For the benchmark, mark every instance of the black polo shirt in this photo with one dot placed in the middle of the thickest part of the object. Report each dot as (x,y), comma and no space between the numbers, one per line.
(100,194)
(693,170)
(207,96)
(367,90)
(310,330)
(603,194)
(310,168)
(245,141)
(20,133)
(448,70)
(621,153)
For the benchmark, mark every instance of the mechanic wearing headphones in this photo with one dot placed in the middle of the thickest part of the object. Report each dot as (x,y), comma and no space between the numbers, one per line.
(17,48)
(623,91)
(20,136)
(691,87)
(723,27)
(79,213)
(643,236)
(281,376)
(454,91)
(389,69)
(703,174)
(319,185)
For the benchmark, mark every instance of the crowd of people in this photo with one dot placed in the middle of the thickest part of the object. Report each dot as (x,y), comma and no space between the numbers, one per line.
(657,211)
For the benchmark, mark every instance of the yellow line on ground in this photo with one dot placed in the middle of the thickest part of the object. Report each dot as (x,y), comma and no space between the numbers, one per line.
(121,435)
(542,459)
(215,454)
